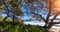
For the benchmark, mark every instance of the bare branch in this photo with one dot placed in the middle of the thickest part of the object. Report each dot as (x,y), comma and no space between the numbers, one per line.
(39,15)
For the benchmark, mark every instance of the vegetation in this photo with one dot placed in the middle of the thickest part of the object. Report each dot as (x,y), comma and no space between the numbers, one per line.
(38,9)
(9,27)
(1,17)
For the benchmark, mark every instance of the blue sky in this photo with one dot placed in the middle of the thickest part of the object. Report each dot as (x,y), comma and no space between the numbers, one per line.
(25,8)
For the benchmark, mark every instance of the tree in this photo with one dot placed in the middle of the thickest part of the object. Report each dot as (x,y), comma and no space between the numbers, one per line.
(12,9)
(48,7)
(36,9)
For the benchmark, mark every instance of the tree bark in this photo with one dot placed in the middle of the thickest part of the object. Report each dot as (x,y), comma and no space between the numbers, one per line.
(5,18)
(13,19)
(51,22)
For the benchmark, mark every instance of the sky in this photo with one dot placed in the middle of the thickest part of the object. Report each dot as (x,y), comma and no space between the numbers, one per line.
(25,8)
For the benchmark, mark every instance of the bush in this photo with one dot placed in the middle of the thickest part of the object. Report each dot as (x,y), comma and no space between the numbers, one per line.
(9,27)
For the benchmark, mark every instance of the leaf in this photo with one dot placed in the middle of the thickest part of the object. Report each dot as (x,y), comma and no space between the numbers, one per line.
(30,1)
(18,11)
(1,17)
(16,28)
(0,4)
(22,0)
(9,0)
(14,3)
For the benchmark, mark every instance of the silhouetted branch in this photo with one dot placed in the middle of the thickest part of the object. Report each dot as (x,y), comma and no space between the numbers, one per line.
(13,18)
(39,15)
(56,22)
(51,22)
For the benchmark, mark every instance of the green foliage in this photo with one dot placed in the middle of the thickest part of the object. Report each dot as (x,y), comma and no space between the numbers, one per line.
(18,11)
(13,3)
(16,6)
(1,2)
(30,1)
(1,17)
(9,27)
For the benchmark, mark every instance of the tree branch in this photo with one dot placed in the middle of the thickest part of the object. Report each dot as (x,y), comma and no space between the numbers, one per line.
(13,18)
(56,22)
(5,18)
(39,15)
(51,22)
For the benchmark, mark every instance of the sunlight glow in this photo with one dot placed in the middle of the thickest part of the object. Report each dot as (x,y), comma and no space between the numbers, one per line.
(56,4)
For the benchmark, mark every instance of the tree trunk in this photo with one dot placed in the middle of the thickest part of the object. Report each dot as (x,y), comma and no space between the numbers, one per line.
(5,18)
(13,19)
(51,23)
